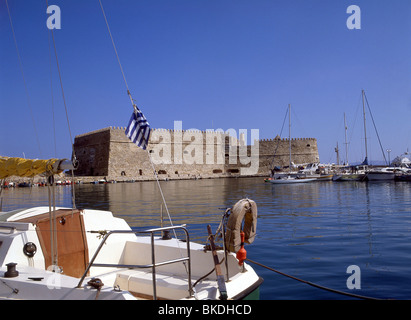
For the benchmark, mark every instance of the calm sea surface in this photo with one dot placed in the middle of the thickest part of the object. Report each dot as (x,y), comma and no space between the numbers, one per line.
(312,231)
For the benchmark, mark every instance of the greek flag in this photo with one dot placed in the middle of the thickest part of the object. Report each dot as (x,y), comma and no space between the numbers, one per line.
(138,129)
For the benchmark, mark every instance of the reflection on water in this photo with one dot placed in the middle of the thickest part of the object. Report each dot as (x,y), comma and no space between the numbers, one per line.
(193,202)
(141,203)
(313,231)
(18,198)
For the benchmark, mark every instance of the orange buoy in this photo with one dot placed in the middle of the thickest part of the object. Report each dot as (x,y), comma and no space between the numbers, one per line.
(242,253)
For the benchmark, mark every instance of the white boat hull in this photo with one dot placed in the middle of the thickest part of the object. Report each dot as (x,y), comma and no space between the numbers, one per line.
(123,266)
(291,180)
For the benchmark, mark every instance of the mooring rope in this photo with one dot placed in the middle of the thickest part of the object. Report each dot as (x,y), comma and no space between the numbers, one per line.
(314,284)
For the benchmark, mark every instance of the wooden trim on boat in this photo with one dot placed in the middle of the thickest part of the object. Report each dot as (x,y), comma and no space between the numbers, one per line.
(72,246)
(45,216)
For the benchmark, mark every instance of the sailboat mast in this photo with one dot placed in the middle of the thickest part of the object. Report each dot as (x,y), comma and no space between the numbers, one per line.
(346,144)
(289,134)
(365,129)
(337,151)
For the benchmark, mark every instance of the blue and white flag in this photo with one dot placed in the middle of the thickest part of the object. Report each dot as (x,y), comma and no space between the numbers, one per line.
(138,129)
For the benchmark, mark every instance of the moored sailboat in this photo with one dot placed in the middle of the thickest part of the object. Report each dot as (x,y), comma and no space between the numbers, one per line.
(351,173)
(354,172)
(91,254)
(288,178)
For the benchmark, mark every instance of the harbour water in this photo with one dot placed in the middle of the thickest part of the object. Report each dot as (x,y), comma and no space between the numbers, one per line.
(312,231)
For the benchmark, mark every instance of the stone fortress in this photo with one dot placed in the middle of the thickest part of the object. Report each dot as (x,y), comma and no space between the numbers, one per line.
(185,154)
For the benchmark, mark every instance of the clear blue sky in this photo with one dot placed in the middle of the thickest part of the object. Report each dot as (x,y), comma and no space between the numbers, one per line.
(211,64)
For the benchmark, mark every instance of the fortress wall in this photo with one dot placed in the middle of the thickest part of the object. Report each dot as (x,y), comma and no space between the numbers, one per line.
(92,152)
(108,152)
(276,151)
(171,152)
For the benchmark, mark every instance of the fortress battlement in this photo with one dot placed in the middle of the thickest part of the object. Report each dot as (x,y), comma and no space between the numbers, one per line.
(287,139)
(171,131)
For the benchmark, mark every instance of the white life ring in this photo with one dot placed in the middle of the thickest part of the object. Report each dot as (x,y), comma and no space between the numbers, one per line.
(246,210)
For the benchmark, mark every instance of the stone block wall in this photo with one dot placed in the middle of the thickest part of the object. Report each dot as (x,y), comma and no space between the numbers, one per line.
(181,154)
(92,151)
(275,152)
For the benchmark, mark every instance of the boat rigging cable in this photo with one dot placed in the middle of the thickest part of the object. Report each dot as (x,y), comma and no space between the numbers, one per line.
(52,96)
(73,155)
(135,108)
(62,90)
(50,175)
(314,284)
(278,142)
(51,190)
(373,122)
(24,78)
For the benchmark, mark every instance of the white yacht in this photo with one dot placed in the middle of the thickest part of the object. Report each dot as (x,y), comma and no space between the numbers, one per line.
(67,253)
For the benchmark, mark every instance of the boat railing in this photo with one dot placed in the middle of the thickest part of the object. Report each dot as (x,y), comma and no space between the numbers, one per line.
(153,264)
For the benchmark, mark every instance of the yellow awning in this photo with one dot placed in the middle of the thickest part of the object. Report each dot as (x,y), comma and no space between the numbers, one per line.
(25,167)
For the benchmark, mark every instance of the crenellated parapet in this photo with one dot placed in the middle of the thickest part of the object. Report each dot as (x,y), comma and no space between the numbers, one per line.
(287,139)
(171,131)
